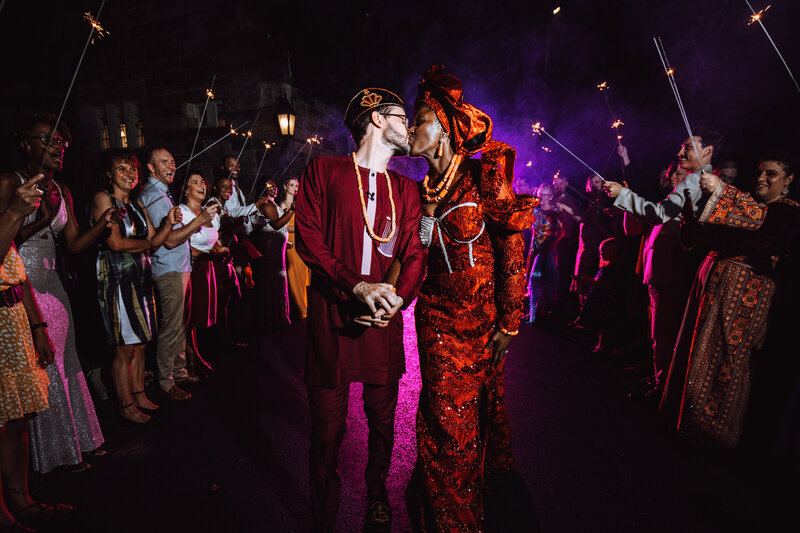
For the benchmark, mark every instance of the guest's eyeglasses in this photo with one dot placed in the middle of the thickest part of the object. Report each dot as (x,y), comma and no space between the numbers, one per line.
(45,139)
(404,117)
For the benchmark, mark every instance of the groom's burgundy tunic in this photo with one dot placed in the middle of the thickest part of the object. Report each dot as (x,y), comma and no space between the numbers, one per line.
(330,239)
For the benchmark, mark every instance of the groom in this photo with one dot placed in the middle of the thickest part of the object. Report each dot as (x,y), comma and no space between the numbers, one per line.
(357,229)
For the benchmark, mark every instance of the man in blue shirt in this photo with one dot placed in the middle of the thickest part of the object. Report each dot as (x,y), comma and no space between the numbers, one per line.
(172,267)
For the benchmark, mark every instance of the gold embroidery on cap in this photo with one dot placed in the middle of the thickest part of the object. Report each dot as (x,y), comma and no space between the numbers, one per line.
(370,99)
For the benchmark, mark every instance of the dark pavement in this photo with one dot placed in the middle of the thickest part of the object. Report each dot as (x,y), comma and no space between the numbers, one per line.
(234,457)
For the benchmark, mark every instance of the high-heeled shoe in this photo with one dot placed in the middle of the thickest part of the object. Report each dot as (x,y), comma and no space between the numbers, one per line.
(148,407)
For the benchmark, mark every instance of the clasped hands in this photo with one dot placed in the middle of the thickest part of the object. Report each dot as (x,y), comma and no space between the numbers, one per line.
(381,300)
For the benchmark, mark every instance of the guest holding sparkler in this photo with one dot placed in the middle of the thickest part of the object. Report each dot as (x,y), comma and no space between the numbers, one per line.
(708,387)
(236,205)
(25,352)
(667,270)
(124,280)
(470,304)
(171,273)
(69,428)
(211,270)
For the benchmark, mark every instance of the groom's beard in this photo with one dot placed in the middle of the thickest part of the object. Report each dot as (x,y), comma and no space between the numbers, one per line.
(396,141)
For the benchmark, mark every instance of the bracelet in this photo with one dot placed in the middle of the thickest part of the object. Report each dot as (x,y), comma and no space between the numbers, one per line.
(39,325)
(509,333)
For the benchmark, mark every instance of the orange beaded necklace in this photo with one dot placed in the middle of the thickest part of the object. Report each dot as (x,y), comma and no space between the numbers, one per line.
(438,193)
(364,205)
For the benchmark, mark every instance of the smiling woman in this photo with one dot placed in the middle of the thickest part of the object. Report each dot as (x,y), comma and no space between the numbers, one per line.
(710,391)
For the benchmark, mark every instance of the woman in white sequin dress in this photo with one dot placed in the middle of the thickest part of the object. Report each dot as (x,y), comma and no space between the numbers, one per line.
(60,435)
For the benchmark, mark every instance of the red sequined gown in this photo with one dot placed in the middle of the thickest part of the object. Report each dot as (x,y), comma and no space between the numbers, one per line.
(474,285)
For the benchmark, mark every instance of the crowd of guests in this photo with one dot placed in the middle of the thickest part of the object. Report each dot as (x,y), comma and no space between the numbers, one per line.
(172,259)
(711,265)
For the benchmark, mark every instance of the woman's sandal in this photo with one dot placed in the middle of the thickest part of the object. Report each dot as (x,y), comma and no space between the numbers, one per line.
(133,395)
(141,419)
(36,512)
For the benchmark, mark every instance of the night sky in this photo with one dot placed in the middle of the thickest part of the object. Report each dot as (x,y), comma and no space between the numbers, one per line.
(518,61)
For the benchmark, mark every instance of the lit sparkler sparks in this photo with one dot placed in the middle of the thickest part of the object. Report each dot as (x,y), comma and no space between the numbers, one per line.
(96,27)
(617,123)
(538,129)
(603,86)
(529,164)
(90,39)
(756,17)
(662,54)
(315,140)
(546,149)
(209,96)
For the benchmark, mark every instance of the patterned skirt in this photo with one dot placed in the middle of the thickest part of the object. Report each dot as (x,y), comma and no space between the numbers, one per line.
(732,320)
(23,383)
(125,292)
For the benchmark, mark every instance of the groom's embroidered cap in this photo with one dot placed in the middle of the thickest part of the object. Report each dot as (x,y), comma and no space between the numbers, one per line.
(369,99)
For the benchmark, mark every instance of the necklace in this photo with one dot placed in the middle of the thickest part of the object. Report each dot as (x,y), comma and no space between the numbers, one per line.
(438,193)
(364,205)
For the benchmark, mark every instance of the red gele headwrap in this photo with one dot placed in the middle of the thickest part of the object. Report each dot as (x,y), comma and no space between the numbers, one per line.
(469,127)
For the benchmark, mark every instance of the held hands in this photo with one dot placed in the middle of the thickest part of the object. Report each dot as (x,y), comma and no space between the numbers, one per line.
(174,216)
(111,217)
(44,347)
(381,300)
(613,188)
(498,344)
(709,182)
(27,197)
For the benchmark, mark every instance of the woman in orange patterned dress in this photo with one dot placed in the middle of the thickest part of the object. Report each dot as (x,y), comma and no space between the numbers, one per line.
(470,304)
(25,351)
(710,390)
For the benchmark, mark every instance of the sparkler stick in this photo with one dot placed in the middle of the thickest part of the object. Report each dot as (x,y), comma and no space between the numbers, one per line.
(662,54)
(247,138)
(604,87)
(95,26)
(756,17)
(538,129)
(267,146)
(209,96)
(232,132)
(309,141)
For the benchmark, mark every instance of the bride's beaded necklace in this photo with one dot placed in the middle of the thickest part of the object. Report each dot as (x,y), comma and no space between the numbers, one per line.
(438,193)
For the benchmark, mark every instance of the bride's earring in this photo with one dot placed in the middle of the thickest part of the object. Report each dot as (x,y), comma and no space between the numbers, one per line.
(440,151)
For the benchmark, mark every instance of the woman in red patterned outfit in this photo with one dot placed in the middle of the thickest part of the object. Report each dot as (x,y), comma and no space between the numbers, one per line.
(710,390)
(470,304)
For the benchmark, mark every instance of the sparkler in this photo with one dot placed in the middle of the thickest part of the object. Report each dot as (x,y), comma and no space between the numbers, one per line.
(232,132)
(95,26)
(538,129)
(309,142)
(247,137)
(209,96)
(267,146)
(99,30)
(756,17)
(662,54)
(604,87)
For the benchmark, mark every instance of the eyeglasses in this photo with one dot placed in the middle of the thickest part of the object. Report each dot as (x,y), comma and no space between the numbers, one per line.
(404,117)
(45,139)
